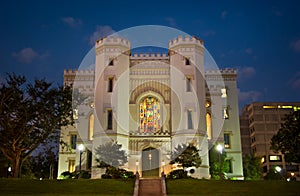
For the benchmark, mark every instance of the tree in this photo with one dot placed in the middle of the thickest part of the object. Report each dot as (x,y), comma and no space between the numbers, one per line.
(252,167)
(186,155)
(287,139)
(216,164)
(110,155)
(29,114)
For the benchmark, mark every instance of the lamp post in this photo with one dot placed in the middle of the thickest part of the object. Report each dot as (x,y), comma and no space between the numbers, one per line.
(80,148)
(150,157)
(136,166)
(220,149)
(163,166)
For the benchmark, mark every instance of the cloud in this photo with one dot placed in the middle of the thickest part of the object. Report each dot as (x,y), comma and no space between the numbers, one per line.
(27,55)
(171,21)
(101,31)
(249,96)
(72,22)
(295,81)
(224,14)
(296,45)
(249,50)
(245,73)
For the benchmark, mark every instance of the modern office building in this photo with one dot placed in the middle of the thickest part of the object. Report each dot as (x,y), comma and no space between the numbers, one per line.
(259,121)
(151,103)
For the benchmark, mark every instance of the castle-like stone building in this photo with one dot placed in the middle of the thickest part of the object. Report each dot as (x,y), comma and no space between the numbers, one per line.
(151,103)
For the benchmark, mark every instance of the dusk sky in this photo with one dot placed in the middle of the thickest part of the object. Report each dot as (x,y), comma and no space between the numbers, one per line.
(261,39)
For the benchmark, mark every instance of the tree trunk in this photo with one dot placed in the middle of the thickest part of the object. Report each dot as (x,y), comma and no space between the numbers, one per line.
(16,167)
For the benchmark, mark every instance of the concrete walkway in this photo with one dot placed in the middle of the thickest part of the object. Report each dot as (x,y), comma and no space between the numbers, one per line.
(150,186)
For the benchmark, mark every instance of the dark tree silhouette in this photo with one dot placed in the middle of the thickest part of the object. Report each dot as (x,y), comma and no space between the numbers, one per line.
(186,155)
(29,114)
(287,139)
(110,155)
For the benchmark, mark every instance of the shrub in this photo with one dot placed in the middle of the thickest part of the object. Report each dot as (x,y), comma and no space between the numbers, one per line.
(117,173)
(177,174)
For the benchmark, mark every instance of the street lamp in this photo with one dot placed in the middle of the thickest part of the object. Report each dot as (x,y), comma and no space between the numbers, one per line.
(136,166)
(278,169)
(80,148)
(150,157)
(220,149)
(163,166)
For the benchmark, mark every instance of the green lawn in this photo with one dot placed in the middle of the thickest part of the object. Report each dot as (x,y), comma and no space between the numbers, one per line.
(214,187)
(16,187)
(66,187)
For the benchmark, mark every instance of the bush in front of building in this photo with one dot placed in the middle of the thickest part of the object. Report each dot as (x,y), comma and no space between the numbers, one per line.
(117,173)
(177,174)
(74,175)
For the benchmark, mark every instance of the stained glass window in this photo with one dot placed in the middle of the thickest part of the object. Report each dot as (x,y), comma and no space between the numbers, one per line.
(149,115)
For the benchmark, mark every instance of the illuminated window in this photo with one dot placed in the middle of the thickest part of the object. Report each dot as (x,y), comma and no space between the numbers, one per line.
(109,119)
(226,140)
(269,106)
(187,61)
(208,125)
(91,127)
(263,159)
(188,84)
(223,93)
(71,166)
(73,141)
(92,104)
(110,84)
(207,104)
(190,120)
(150,115)
(275,158)
(225,113)
(75,114)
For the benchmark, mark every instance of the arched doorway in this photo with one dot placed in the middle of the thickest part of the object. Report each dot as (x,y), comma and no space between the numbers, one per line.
(150,162)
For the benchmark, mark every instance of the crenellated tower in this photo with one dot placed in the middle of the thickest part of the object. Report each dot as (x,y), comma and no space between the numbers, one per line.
(188,92)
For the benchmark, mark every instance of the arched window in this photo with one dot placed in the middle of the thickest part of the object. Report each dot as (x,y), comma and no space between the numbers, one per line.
(91,127)
(149,115)
(208,125)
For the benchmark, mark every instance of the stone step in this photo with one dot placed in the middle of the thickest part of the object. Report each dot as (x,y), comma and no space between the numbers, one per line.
(150,187)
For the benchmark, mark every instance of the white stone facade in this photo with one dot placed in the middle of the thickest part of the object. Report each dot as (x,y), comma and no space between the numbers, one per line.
(152,101)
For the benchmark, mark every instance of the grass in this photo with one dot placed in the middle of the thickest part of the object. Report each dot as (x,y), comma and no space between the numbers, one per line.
(15,187)
(214,187)
(66,187)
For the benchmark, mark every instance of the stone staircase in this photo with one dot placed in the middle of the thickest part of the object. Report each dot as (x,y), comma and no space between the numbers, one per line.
(150,186)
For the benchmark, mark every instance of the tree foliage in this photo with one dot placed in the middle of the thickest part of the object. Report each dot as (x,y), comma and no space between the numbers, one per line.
(29,114)
(186,155)
(287,139)
(110,155)
(252,167)
(216,164)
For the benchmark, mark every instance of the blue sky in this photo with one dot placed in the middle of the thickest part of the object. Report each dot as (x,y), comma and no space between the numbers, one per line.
(260,39)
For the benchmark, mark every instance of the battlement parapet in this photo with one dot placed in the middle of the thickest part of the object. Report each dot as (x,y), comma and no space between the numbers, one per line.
(79,72)
(221,71)
(153,56)
(112,40)
(186,40)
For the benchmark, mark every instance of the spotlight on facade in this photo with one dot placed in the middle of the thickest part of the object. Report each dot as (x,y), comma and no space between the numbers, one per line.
(278,169)
(80,148)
